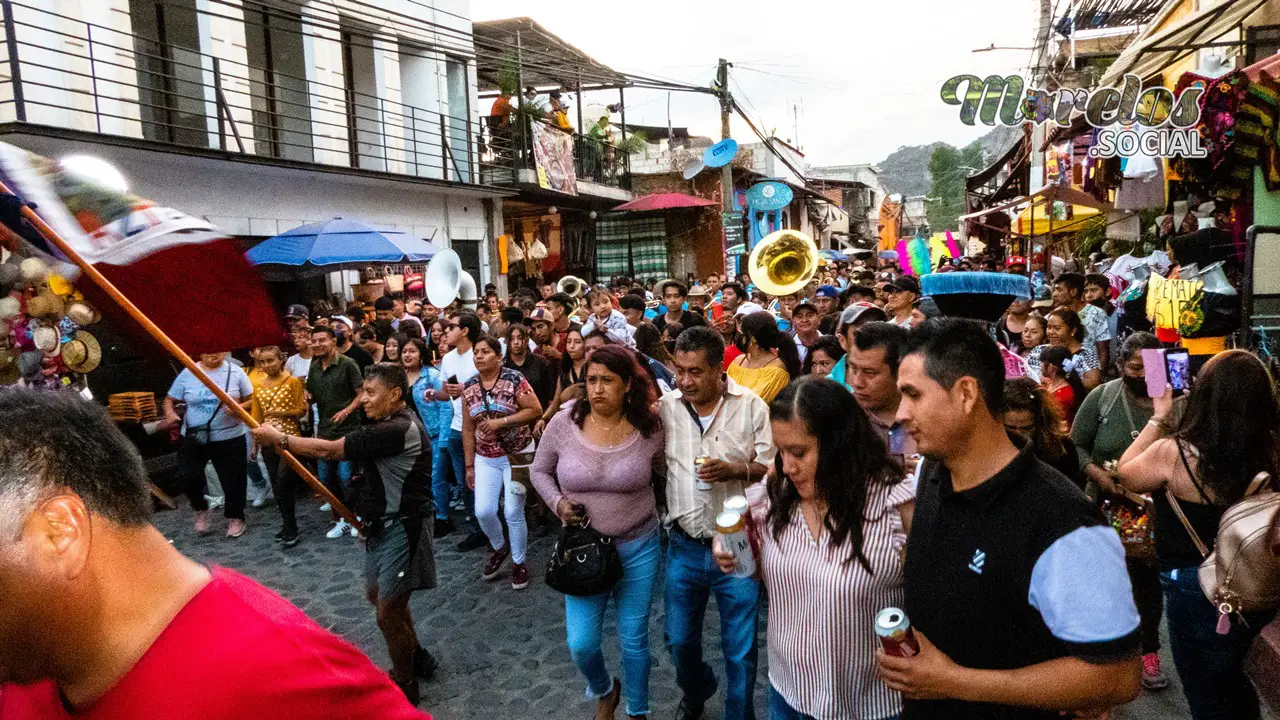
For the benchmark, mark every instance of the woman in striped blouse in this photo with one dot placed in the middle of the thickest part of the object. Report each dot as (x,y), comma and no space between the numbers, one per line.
(832,521)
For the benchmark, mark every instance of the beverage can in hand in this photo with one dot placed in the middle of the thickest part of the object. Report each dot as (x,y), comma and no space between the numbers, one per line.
(733,538)
(698,482)
(895,633)
(736,503)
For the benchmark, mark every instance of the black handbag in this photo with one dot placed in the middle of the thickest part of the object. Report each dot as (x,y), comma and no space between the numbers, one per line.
(584,562)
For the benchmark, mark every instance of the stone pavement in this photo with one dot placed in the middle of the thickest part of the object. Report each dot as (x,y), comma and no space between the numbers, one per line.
(502,652)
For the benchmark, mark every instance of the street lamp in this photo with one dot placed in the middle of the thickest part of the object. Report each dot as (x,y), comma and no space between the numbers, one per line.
(993,47)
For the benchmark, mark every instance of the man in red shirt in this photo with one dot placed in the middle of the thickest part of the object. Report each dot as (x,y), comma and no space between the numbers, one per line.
(102,619)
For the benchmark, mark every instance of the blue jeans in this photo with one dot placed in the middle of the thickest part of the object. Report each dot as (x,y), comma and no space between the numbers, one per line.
(584,621)
(692,576)
(336,476)
(1209,665)
(445,453)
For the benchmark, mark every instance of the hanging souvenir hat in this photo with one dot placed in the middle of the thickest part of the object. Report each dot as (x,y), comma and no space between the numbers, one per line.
(46,340)
(60,286)
(82,354)
(8,366)
(9,277)
(34,270)
(45,305)
(83,314)
(10,307)
(30,363)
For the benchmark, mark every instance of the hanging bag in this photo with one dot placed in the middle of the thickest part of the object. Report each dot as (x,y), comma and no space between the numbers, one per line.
(584,562)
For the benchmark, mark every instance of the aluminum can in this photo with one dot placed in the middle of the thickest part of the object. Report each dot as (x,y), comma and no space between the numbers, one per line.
(736,503)
(734,539)
(698,482)
(895,633)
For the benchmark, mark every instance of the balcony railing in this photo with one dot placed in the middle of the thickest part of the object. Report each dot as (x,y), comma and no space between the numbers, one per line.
(64,72)
(595,159)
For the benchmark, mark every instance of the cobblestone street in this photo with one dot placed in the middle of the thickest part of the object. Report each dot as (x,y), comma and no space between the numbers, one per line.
(502,652)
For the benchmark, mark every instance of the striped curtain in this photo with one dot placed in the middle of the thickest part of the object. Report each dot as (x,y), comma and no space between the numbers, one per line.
(635,247)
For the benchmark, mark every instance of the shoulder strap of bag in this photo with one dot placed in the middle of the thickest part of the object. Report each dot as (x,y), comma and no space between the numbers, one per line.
(1177,508)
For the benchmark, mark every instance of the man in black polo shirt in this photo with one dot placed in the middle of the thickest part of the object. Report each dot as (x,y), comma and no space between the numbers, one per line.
(673,294)
(1015,585)
(393,496)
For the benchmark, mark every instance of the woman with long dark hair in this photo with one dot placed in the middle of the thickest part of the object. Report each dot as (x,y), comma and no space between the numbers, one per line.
(1206,460)
(595,463)
(832,522)
(1031,413)
(770,359)
(569,383)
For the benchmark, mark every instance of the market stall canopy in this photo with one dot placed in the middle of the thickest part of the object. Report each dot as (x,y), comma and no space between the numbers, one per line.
(1039,224)
(338,243)
(833,255)
(665,201)
(1052,193)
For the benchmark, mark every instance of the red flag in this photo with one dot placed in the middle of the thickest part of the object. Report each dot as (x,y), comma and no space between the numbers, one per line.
(190,279)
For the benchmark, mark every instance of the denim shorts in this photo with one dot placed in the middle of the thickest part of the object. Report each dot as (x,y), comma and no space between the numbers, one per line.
(400,557)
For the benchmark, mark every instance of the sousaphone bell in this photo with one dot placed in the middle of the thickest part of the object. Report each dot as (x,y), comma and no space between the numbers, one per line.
(783,262)
(571,286)
(446,281)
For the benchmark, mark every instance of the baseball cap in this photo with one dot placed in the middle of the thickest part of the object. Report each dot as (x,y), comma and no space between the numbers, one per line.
(747,308)
(851,314)
(827,291)
(539,315)
(1016,260)
(297,311)
(805,303)
(344,319)
(905,283)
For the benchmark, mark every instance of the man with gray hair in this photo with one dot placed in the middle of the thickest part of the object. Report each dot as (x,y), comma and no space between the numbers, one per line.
(101,614)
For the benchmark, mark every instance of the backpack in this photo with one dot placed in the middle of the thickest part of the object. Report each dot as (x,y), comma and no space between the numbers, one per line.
(1240,573)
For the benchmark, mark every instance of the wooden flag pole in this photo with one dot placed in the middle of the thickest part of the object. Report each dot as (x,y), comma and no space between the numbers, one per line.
(169,345)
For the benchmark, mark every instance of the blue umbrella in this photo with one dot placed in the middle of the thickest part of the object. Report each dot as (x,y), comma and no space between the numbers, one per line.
(334,243)
(835,255)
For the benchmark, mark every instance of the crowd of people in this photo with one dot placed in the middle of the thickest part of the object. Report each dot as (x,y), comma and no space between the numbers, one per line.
(886,454)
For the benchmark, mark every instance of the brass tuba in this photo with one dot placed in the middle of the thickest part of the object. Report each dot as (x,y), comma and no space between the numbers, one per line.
(571,286)
(783,262)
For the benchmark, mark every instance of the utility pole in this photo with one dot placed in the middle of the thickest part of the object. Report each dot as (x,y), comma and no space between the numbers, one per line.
(726,172)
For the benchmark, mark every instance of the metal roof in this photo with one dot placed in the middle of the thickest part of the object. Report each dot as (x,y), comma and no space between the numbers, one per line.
(546,60)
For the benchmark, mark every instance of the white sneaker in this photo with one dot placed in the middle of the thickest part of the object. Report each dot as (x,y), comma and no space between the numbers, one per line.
(338,529)
(354,532)
(215,502)
(326,507)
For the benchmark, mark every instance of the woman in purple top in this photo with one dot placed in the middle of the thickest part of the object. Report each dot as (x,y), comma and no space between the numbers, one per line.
(597,462)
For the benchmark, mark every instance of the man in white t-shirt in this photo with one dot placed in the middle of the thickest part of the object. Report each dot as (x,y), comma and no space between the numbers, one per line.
(457,367)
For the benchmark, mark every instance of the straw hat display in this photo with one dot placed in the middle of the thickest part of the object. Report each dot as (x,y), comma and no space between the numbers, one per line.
(43,342)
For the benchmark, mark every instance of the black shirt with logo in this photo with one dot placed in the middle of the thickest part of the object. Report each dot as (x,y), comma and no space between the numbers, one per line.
(1017,571)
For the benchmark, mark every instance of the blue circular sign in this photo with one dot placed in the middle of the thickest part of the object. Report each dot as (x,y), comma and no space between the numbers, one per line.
(769,195)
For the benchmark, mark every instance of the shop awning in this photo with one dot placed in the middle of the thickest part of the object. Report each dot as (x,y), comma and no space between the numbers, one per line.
(664,201)
(1025,224)
(1152,52)
(1052,193)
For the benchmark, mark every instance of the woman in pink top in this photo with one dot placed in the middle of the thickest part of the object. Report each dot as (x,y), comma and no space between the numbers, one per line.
(597,463)
(832,520)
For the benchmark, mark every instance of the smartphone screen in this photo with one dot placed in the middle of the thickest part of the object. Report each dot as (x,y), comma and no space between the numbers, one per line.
(453,380)
(1156,372)
(1177,364)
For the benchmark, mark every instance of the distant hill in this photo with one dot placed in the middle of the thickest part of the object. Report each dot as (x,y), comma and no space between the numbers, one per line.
(906,170)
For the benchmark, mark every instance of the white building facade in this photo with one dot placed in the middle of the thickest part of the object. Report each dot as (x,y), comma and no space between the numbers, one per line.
(262,115)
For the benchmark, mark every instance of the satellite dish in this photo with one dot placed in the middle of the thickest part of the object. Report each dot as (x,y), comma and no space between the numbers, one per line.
(694,168)
(720,154)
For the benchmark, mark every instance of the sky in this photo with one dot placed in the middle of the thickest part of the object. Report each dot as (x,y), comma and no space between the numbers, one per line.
(853,80)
